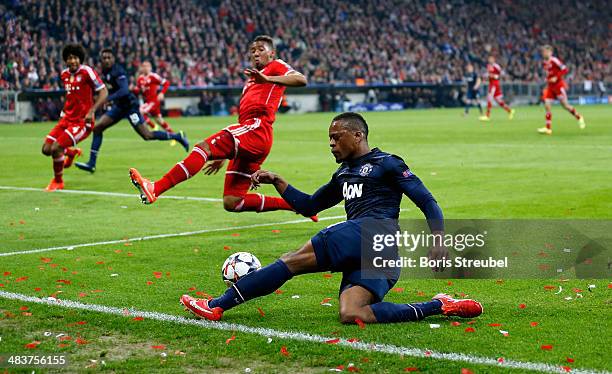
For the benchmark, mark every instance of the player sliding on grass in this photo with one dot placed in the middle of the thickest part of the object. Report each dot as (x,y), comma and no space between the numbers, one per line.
(555,89)
(246,144)
(80,82)
(125,105)
(371,182)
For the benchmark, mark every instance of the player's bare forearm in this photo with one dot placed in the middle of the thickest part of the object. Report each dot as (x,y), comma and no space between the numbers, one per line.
(290,80)
(100,100)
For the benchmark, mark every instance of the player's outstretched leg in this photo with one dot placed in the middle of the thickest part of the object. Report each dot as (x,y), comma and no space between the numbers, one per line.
(190,166)
(487,116)
(256,284)
(547,130)
(505,106)
(105,122)
(56,152)
(573,112)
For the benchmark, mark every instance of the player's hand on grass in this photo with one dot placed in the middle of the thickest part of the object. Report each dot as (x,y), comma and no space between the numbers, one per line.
(440,255)
(213,167)
(256,75)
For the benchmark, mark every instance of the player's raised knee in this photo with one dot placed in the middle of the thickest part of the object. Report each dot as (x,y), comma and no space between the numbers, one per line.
(232,203)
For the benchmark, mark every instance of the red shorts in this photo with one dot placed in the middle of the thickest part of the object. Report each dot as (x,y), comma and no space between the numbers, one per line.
(68,133)
(246,145)
(151,108)
(554,91)
(495,90)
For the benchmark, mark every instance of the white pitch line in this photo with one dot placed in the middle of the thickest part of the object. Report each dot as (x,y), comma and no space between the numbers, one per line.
(104,193)
(161,236)
(300,336)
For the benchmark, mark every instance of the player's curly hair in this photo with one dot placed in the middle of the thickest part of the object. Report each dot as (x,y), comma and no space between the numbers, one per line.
(353,121)
(74,50)
(264,38)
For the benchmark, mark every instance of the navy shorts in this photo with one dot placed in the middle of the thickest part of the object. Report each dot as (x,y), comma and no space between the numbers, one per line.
(132,113)
(338,248)
(472,94)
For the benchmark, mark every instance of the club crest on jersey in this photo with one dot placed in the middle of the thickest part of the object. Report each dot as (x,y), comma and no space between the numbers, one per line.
(365,170)
(351,191)
(78,78)
(407,173)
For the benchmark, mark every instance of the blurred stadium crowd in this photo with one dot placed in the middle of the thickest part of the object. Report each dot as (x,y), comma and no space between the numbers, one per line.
(332,41)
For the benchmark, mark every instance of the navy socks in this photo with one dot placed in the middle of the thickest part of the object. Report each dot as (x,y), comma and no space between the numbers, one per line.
(390,312)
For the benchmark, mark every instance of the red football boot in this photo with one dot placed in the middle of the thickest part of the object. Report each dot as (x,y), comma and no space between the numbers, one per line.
(144,186)
(53,185)
(69,159)
(200,308)
(465,308)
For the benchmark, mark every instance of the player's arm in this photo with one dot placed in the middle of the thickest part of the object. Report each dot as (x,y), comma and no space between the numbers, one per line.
(100,100)
(123,89)
(478,83)
(164,88)
(291,79)
(307,205)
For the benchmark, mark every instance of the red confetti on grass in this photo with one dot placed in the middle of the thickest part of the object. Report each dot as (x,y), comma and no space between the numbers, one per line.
(62,345)
(21,279)
(546,347)
(227,341)
(7,273)
(261,312)
(495,324)
(157,274)
(470,329)
(21,222)
(610,285)
(227,247)
(455,323)
(235,234)
(533,324)
(65,338)
(326,300)
(353,369)
(1,284)
(284,351)
(64,281)
(80,341)
(411,369)
(570,360)
(566,368)
(397,289)
(23,308)
(191,289)
(360,323)
(353,340)
(278,292)
(466,371)
(471,322)
(577,290)
(327,275)
(26,314)
(333,341)
(149,283)
(46,260)
(550,287)
(522,306)
(100,263)
(82,294)
(160,347)
(118,251)
(276,231)
(32,345)
(81,323)
(96,291)
(339,368)
(420,293)
(137,318)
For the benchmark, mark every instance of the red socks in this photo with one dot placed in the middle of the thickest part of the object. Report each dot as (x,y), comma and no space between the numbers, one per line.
(185,169)
(166,126)
(58,168)
(503,105)
(70,152)
(489,105)
(574,113)
(255,202)
(548,120)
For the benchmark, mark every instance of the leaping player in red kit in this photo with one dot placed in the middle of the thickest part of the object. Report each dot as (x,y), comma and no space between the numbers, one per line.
(148,85)
(555,89)
(494,72)
(80,82)
(246,144)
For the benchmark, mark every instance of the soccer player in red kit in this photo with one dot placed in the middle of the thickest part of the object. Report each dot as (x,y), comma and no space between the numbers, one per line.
(494,72)
(148,85)
(80,82)
(246,144)
(555,89)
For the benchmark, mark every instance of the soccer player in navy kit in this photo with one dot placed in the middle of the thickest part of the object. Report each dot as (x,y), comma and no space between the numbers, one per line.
(473,82)
(371,182)
(125,105)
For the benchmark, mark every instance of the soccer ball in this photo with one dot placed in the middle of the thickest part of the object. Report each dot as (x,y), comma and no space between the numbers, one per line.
(237,266)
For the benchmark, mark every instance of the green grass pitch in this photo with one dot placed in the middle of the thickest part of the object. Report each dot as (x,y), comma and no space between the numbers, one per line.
(501,169)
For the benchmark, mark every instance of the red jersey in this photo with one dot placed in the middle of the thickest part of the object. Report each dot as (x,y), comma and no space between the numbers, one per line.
(263,99)
(554,68)
(494,72)
(148,86)
(80,88)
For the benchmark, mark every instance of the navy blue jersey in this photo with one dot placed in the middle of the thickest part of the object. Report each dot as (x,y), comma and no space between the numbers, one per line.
(116,80)
(371,186)
(470,79)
